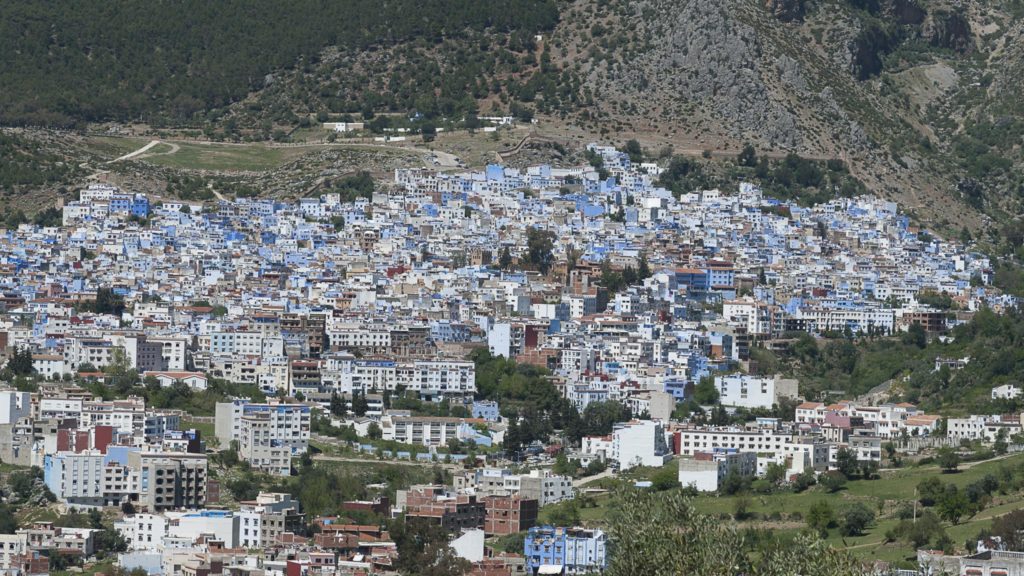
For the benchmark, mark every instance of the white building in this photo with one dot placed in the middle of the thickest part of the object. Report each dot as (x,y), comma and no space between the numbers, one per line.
(59,408)
(980,427)
(640,443)
(774,445)
(50,366)
(143,531)
(1005,392)
(215,524)
(540,485)
(14,406)
(289,423)
(420,430)
(11,545)
(706,471)
(194,380)
(76,478)
(754,391)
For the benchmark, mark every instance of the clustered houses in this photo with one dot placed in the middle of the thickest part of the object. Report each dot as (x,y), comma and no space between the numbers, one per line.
(539,485)
(26,551)
(620,290)
(94,453)
(323,296)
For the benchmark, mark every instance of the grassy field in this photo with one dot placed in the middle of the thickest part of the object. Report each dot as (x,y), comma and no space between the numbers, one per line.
(224,156)
(227,157)
(884,496)
(206,430)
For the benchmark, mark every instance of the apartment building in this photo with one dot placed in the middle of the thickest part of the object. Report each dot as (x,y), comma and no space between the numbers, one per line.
(508,514)
(264,520)
(420,430)
(260,445)
(168,480)
(288,423)
(747,391)
(567,550)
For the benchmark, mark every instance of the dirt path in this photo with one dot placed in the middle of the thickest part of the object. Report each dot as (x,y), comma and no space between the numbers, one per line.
(580,482)
(142,152)
(209,185)
(130,155)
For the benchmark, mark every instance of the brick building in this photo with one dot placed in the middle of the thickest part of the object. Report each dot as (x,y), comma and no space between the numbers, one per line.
(509,514)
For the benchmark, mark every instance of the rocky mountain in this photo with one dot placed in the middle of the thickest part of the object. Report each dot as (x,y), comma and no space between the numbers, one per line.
(916,95)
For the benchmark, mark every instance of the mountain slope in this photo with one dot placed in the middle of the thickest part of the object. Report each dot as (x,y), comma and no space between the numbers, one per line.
(918,97)
(82,61)
(894,88)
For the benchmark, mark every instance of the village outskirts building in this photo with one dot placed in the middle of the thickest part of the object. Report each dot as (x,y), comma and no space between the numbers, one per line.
(560,550)
(706,471)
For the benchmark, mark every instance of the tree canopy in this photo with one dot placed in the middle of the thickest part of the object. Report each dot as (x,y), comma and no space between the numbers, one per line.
(662,534)
(94,61)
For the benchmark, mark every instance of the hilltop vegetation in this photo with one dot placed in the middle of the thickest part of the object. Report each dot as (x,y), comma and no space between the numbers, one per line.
(25,163)
(181,62)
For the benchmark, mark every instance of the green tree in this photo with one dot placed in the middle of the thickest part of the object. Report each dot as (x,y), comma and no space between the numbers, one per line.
(846,462)
(120,376)
(108,302)
(948,459)
(540,245)
(635,152)
(563,466)
(804,480)
(953,505)
(833,481)
(643,270)
(929,491)
(513,441)
(20,362)
(890,450)
(565,514)
(665,478)
(734,483)
(820,517)
(505,260)
(359,403)
(1000,446)
(1010,527)
(705,392)
(337,405)
(747,156)
(662,534)
(916,336)
(775,473)
(927,528)
(429,132)
(599,418)
(855,520)
(424,550)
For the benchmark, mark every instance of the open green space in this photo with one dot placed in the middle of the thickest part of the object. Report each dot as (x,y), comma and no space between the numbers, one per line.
(784,513)
(206,431)
(227,157)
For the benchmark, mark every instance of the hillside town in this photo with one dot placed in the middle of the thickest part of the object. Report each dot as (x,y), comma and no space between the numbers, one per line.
(158,350)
